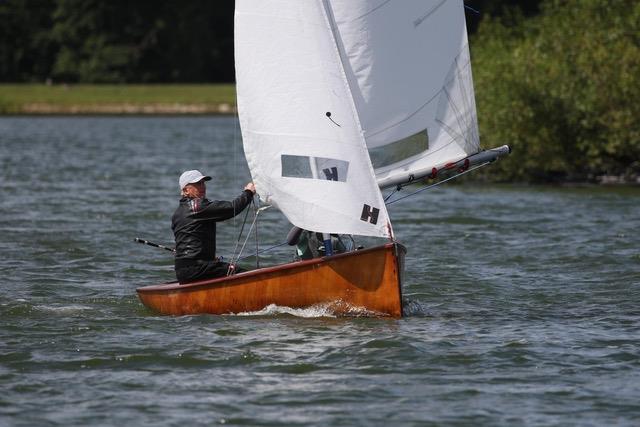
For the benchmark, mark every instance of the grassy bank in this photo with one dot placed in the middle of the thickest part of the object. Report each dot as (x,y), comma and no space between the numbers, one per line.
(117,99)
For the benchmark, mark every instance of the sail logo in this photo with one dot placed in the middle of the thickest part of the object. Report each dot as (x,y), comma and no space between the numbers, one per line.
(369,214)
(331,174)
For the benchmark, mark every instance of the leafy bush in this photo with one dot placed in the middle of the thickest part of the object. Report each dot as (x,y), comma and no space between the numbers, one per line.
(562,89)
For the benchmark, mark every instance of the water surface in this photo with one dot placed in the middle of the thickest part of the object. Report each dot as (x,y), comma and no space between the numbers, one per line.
(523,303)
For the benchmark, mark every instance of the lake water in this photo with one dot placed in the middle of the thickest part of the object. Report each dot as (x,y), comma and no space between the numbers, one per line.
(523,303)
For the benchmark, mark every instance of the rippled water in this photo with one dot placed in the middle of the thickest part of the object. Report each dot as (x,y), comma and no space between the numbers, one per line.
(523,303)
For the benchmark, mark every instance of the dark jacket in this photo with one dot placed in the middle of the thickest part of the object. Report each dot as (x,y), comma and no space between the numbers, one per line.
(194,226)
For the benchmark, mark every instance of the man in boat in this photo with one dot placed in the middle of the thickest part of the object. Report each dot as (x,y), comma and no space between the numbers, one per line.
(194,227)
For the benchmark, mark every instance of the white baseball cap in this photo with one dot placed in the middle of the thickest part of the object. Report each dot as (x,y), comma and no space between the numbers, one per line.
(191,177)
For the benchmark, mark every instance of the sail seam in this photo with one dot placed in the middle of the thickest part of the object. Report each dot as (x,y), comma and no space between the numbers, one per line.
(371,11)
(428,14)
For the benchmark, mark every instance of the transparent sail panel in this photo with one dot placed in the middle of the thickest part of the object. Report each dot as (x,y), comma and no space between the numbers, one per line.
(399,150)
(314,168)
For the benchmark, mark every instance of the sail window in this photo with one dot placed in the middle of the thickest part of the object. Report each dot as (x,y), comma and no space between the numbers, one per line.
(314,168)
(399,150)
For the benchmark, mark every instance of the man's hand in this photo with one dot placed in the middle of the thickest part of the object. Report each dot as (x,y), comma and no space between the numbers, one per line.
(251,187)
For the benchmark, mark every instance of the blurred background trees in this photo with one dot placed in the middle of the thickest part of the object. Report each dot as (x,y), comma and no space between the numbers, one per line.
(116,41)
(558,80)
(142,41)
(562,89)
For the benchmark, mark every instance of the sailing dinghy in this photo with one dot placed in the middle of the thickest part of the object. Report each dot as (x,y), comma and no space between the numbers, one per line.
(338,99)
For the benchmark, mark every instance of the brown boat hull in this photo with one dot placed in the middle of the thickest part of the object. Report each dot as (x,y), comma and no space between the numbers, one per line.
(368,279)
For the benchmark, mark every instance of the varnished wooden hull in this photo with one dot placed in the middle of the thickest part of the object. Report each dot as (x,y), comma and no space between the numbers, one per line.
(369,279)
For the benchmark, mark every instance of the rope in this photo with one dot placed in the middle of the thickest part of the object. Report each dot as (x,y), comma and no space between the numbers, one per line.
(257,258)
(240,234)
(253,223)
(255,217)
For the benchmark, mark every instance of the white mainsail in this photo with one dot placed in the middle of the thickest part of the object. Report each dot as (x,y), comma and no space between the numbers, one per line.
(323,83)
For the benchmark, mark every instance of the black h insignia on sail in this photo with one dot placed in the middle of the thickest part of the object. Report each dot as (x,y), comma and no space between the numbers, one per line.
(331,174)
(369,214)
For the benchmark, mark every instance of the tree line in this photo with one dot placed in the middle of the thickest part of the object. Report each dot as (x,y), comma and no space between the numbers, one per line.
(558,80)
(561,88)
(116,41)
(142,41)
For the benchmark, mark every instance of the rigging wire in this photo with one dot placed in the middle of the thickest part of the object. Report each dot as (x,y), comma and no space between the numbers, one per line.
(264,250)
(240,234)
(477,12)
(253,223)
(392,193)
(257,257)
(435,184)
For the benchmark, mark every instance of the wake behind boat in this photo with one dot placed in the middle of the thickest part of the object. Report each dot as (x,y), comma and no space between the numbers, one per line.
(337,100)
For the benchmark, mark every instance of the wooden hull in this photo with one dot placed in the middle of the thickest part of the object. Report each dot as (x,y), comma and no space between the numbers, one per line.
(369,279)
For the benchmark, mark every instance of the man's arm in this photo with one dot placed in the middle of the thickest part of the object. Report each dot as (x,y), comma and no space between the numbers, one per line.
(219,210)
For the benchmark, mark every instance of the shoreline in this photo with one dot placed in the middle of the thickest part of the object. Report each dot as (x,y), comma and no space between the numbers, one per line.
(40,109)
(137,99)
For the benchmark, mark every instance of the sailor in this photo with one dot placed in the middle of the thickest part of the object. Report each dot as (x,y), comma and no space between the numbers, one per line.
(311,245)
(194,227)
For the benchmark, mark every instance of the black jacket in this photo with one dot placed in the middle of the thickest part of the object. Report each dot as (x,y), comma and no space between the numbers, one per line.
(194,226)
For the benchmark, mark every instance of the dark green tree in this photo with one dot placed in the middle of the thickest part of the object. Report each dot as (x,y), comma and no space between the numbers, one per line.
(27,51)
(477,10)
(143,41)
(562,89)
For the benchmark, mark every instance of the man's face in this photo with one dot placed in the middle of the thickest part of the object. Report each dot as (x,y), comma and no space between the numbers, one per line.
(196,190)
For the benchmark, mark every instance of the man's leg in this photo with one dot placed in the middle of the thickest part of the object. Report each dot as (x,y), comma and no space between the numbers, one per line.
(204,270)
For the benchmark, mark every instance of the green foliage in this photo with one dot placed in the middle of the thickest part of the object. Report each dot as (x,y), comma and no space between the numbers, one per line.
(562,89)
(26,49)
(143,41)
(116,41)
